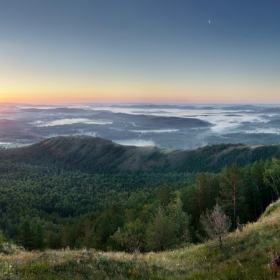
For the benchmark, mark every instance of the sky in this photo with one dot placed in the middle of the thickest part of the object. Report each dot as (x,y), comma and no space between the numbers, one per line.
(166,51)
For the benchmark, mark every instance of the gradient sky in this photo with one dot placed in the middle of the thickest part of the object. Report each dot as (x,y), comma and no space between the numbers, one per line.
(140,51)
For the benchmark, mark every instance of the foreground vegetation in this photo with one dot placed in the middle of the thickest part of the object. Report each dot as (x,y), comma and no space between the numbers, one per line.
(246,255)
(58,220)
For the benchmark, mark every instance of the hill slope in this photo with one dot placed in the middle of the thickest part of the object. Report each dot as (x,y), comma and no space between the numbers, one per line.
(93,154)
(246,256)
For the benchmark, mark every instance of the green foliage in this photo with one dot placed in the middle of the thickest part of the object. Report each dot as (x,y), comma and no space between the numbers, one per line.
(48,203)
(131,236)
(247,256)
(164,195)
(44,207)
(232,191)
(74,209)
(180,219)
(27,235)
(272,176)
(160,232)
(200,195)
(2,239)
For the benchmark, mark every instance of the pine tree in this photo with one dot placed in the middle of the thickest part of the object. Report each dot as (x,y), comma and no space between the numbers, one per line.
(88,240)
(232,191)
(40,236)
(27,236)
(257,171)
(2,239)
(160,233)
(164,195)
(253,200)
(200,196)
(179,218)
(272,177)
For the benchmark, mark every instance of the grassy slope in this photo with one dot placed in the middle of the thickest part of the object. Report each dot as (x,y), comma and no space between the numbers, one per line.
(246,256)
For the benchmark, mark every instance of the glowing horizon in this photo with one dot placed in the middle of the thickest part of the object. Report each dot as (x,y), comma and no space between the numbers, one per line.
(161,95)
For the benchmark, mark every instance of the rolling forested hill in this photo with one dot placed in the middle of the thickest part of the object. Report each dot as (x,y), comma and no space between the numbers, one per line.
(93,154)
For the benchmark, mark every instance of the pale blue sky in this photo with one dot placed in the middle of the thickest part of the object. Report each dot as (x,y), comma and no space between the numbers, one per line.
(140,50)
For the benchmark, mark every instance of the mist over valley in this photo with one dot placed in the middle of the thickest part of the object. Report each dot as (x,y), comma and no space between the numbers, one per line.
(166,126)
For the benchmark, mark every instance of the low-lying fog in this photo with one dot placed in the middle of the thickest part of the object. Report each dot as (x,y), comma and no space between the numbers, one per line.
(166,126)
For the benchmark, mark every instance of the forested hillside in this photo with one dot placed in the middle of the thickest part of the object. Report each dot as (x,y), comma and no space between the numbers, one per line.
(96,155)
(75,192)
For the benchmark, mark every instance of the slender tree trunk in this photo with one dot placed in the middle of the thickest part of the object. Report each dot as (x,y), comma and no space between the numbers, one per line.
(221,242)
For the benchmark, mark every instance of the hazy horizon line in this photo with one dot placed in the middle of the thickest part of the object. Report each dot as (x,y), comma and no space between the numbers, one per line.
(143,102)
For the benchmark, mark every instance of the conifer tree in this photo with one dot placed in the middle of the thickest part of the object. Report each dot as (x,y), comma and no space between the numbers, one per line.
(27,236)
(272,177)
(179,218)
(160,233)
(257,172)
(2,239)
(232,192)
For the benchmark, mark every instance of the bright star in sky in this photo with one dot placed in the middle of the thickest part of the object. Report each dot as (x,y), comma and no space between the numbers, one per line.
(139,51)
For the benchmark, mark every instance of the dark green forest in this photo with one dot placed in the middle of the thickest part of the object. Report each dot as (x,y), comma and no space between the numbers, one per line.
(45,203)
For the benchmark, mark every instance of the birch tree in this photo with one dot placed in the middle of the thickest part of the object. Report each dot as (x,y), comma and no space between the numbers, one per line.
(216,224)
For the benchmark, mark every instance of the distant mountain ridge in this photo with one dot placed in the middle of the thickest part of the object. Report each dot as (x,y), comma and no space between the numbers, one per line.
(94,154)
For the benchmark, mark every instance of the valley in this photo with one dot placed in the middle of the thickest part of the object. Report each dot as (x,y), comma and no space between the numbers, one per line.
(166,126)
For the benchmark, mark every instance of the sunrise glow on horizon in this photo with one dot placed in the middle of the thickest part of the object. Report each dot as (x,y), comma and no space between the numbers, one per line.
(139,51)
